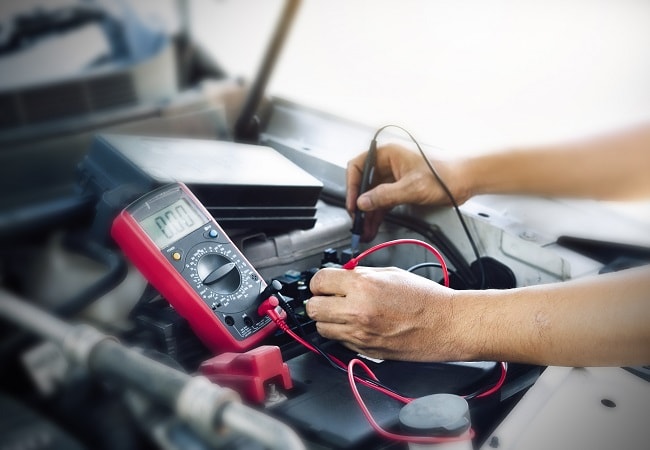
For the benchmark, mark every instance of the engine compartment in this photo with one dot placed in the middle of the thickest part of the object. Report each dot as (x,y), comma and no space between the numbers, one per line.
(58,260)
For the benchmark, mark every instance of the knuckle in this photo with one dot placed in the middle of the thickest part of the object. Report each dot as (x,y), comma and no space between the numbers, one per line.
(316,283)
(360,337)
(324,330)
(365,320)
(311,308)
(421,186)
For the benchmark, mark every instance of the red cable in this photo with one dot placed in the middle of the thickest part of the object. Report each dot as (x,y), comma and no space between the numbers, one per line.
(445,273)
(387,434)
(284,327)
(351,264)
(499,383)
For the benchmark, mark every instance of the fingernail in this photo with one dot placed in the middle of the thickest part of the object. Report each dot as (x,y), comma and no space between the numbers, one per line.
(364,202)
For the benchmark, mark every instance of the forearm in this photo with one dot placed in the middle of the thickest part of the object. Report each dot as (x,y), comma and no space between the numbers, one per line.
(604,320)
(608,168)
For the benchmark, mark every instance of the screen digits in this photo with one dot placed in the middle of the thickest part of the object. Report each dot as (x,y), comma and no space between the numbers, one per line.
(171,223)
(174,222)
(187,219)
(162,226)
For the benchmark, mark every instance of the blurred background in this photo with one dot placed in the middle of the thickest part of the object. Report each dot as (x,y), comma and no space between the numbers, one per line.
(463,76)
(466,76)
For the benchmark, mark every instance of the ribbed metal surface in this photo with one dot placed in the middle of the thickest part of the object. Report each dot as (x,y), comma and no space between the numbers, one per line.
(65,100)
(54,102)
(111,91)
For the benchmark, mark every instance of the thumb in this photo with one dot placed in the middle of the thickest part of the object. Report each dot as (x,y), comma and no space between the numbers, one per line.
(383,196)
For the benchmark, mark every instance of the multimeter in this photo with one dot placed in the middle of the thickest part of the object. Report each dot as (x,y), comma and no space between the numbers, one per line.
(181,250)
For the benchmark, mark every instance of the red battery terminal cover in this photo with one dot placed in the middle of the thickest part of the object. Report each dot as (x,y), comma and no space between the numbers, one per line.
(249,373)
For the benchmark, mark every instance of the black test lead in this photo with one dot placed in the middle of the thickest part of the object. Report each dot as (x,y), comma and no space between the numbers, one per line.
(366,180)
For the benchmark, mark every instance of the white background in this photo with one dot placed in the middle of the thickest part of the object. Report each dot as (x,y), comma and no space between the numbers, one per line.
(467,76)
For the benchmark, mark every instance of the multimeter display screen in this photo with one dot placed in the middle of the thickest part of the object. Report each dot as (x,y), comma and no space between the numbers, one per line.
(172,223)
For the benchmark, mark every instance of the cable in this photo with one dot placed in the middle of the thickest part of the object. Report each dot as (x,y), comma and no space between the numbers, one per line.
(355,261)
(269,305)
(268,308)
(428,231)
(439,266)
(116,273)
(481,393)
(423,265)
(386,434)
(334,362)
(352,263)
(497,386)
(449,195)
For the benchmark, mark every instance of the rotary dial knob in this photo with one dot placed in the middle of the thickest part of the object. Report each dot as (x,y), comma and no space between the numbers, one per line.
(222,278)
(218,272)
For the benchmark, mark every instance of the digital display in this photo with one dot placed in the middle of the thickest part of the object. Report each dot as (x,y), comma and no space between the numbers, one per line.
(172,223)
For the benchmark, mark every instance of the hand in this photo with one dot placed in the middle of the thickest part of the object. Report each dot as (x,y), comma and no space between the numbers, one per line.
(401,176)
(384,313)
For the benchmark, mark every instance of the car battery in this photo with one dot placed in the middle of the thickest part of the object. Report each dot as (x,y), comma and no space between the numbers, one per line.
(241,185)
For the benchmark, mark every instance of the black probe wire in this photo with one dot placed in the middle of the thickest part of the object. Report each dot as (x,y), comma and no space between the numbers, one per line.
(425,264)
(460,218)
(447,192)
(458,214)
(425,230)
(422,265)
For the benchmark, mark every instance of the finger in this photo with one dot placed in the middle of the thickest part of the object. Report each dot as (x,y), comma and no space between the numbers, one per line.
(343,333)
(334,331)
(386,195)
(330,309)
(329,281)
(353,175)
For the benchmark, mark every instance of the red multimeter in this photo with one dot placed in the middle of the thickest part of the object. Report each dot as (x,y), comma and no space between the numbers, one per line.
(182,251)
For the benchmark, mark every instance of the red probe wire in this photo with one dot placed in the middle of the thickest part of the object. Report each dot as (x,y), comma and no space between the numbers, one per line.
(284,327)
(499,383)
(354,262)
(355,391)
(387,434)
(269,305)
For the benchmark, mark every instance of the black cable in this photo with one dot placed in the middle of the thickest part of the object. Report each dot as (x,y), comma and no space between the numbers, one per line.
(116,271)
(424,264)
(432,234)
(365,378)
(291,312)
(437,265)
(440,240)
(447,192)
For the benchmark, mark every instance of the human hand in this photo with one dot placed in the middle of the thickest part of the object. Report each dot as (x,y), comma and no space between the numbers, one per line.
(400,176)
(385,313)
